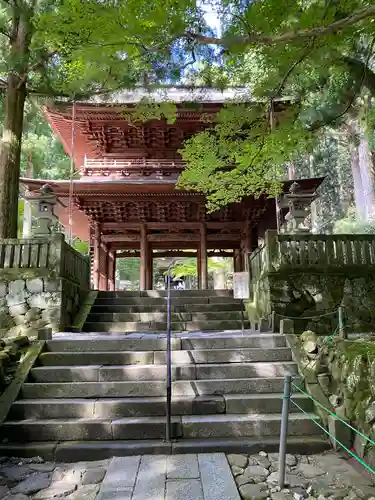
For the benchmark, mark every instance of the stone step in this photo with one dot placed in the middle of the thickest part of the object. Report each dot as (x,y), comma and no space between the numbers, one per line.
(161,317)
(86,343)
(248,340)
(164,293)
(161,308)
(154,372)
(245,355)
(73,451)
(151,301)
(222,426)
(152,406)
(151,388)
(194,426)
(88,429)
(155,326)
(104,343)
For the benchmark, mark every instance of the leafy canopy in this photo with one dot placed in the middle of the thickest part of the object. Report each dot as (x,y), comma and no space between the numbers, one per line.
(317,52)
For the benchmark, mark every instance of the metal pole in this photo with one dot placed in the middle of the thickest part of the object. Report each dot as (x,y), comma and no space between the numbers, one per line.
(242,318)
(341,323)
(168,409)
(284,429)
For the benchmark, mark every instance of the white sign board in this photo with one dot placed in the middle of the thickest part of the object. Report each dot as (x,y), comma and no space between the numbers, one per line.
(241,286)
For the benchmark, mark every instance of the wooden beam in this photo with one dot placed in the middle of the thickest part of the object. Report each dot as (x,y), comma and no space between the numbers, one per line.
(186,237)
(173,253)
(120,226)
(202,257)
(144,258)
(96,256)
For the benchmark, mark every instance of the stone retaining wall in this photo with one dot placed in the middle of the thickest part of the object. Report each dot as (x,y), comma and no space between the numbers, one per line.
(27,305)
(340,374)
(308,294)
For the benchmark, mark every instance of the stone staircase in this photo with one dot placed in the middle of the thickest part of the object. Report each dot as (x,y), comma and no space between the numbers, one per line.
(94,396)
(192,310)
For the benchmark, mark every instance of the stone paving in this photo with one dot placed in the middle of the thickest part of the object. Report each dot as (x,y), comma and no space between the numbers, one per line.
(327,476)
(206,476)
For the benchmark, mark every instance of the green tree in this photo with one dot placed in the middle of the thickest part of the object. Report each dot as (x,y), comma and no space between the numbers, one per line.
(318,53)
(70,49)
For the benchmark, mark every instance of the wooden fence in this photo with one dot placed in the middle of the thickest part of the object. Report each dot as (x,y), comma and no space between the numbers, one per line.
(51,254)
(321,250)
(25,254)
(312,251)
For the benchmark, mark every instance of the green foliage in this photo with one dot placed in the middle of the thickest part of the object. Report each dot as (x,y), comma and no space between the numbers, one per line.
(78,49)
(128,268)
(81,246)
(187,266)
(241,155)
(147,110)
(352,224)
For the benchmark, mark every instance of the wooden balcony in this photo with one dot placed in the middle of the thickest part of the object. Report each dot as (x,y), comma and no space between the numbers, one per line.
(132,169)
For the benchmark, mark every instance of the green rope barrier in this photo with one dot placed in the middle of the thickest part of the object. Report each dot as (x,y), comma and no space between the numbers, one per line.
(333,414)
(337,441)
(307,317)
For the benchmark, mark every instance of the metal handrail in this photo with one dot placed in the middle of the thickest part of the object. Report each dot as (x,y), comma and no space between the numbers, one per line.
(168,407)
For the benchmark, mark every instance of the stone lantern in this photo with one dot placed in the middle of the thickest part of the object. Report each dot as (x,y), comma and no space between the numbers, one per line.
(45,203)
(299,205)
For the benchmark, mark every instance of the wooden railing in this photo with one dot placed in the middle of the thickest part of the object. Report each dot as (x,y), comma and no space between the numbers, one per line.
(257,265)
(75,266)
(321,250)
(48,256)
(25,253)
(318,251)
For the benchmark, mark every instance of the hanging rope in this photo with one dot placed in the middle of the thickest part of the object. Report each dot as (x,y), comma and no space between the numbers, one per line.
(71,184)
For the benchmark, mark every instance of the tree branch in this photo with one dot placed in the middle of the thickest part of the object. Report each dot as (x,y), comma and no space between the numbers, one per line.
(33,67)
(365,69)
(261,39)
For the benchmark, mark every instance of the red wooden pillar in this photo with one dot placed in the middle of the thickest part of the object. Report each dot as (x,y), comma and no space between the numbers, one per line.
(96,256)
(237,265)
(246,246)
(103,267)
(202,259)
(144,258)
(149,268)
(111,271)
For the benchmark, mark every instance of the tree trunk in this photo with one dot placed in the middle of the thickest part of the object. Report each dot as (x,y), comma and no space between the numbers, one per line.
(10,147)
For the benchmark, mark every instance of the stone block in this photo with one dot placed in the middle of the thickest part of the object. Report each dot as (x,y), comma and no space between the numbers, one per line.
(20,341)
(35,285)
(286,326)
(217,478)
(340,432)
(17,298)
(45,300)
(93,476)
(16,287)
(51,315)
(33,314)
(51,285)
(18,310)
(182,467)
(150,483)
(33,484)
(254,491)
(184,489)
(5,318)
(3,289)
(58,489)
(45,334)
(264,325)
